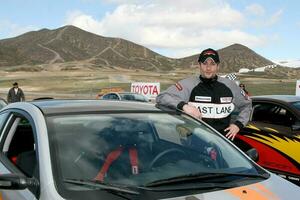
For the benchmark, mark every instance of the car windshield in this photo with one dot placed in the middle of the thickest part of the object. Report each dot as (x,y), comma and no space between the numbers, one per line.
(138,149)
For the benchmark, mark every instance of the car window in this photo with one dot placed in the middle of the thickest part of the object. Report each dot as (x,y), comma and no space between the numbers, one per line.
(273,114)
(110,97)
(139,97)
(2,103)
(2,122)
(19,147)
(296,105)
(127,97)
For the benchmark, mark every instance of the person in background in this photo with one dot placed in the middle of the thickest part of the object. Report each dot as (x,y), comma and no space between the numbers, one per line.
(15,94)
(242,86)
(209,97)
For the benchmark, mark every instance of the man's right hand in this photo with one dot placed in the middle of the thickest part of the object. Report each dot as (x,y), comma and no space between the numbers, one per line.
(192,110)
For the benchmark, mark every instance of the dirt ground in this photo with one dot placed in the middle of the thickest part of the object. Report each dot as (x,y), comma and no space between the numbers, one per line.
(78,83)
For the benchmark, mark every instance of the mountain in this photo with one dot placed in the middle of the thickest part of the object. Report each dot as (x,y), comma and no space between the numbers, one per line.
(233,58)
(71,44)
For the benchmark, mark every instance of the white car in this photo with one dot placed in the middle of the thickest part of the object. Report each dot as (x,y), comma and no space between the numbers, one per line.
(125,96)
(91,149)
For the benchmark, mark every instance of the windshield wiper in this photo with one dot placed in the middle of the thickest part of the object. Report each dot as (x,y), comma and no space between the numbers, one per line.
(102,186)
(202,176)
(202,186)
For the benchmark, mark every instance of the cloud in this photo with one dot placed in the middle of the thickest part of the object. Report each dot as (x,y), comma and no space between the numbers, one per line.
(9,29)
(275,17)
(267,20)
(255,9)
(86,22)
(173,25)
(259,18)
(123,1)
(211,38)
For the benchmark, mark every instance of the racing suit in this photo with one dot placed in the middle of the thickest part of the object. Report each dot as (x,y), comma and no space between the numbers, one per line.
(216,99)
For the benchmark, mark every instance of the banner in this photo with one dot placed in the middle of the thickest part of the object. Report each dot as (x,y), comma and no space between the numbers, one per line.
(150,90)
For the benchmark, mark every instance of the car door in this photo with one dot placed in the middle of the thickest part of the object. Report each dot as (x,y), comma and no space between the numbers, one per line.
(18,152)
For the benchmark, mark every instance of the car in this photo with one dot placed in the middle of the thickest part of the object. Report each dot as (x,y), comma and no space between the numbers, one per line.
(3,103)
(91,149)
(274,131)
(124,96)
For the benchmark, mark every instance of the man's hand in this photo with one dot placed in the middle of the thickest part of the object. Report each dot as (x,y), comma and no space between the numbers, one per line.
(192,110)
(232,131)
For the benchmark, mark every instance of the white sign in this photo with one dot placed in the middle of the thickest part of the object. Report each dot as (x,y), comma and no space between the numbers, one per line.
(150,90)
(214,111)
(298,88)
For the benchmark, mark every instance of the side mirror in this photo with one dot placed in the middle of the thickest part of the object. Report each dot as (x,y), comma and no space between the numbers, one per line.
(253,154)
(16,182)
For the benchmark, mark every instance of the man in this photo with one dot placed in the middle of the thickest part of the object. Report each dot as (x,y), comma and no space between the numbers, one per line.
(210,97)
(15,94)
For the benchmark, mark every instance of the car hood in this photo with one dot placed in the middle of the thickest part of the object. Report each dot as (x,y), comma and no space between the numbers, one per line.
(274,188)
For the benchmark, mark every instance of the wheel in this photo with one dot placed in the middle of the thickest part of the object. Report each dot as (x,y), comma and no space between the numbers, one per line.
(162,154)
(207,161)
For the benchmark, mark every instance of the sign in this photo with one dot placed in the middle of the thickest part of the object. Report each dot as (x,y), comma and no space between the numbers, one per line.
(214,111)
(298,88)
(150,90)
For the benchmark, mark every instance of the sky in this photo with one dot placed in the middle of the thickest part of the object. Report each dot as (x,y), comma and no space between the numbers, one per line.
(173,28)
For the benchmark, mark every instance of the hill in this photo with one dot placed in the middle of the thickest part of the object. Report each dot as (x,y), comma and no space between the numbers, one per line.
(71,44)
(233,58)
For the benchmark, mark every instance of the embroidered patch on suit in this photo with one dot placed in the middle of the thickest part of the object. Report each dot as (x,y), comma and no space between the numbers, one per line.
(178,86)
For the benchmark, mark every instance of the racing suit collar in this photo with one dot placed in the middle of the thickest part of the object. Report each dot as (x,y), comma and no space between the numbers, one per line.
(208,80)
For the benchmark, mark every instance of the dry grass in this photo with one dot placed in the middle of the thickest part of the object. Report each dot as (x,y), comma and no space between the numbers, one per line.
(58,82)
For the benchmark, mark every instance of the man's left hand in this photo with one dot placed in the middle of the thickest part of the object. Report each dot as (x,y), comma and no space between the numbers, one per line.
(232,130)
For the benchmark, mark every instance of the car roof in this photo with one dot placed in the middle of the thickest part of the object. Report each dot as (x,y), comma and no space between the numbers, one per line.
(130,93)
(72,106)
(282,98)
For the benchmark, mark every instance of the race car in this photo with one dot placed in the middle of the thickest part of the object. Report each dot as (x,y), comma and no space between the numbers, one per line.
(274,131)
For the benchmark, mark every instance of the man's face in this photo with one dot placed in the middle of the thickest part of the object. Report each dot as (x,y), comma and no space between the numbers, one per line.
(209,68)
